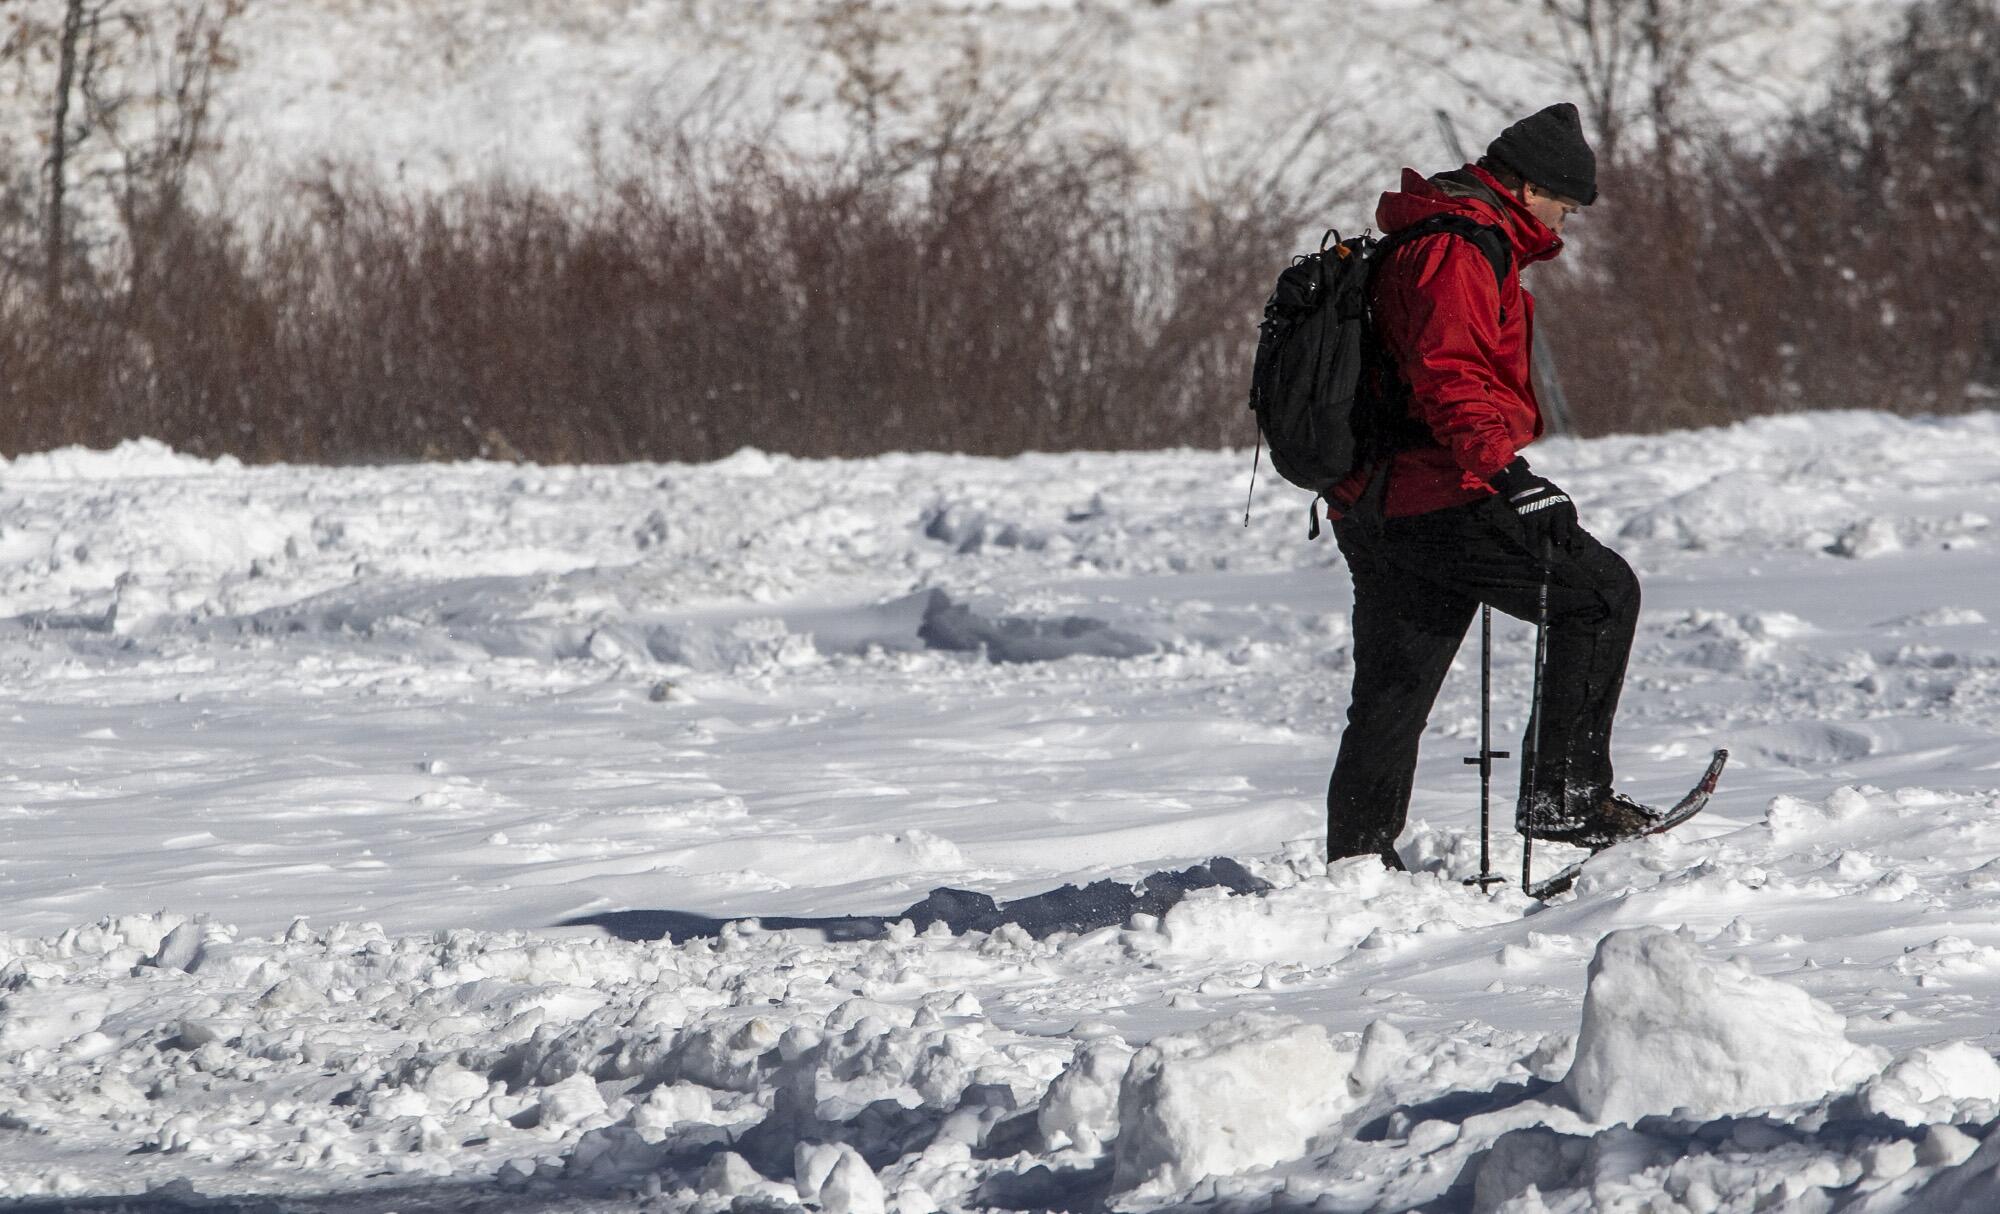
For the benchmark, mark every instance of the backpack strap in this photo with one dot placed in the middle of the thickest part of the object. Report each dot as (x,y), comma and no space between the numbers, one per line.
(1489,240)
(1492,244)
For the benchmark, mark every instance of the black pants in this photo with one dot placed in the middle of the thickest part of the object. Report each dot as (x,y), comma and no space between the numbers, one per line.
(1417,583)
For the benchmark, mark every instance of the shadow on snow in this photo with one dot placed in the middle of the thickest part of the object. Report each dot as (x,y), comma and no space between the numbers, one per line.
(1068,909)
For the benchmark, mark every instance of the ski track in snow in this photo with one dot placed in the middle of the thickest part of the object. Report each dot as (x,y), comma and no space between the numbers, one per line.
(304,767)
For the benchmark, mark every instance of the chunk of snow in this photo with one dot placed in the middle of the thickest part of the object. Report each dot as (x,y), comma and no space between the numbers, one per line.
(611,1154)
(671,1104)
(1383,1048)
(1867,538)
(453,1086)
(1945,1146)
(1081,1108)
(571,1102)
(730,1175)
(834,1176)
(1929,1083)
(181,949)
(1240,1093)
(1665,1028)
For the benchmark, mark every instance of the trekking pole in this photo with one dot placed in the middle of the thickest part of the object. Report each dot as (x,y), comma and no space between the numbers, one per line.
(1532,758)
(1487,878)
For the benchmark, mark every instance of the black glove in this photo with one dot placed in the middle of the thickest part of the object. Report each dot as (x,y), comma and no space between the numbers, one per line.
(1544,509)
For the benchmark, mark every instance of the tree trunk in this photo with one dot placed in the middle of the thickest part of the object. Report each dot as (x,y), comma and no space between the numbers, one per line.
(72,33)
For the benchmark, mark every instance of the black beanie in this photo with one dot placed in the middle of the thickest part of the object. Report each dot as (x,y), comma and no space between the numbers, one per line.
(1549,150)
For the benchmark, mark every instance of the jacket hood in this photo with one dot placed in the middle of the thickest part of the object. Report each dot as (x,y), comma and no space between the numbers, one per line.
(1471,192)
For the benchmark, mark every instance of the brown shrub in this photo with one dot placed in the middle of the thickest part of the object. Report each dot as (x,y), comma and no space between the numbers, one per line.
(1853,262)
(1006,301)
(988,289)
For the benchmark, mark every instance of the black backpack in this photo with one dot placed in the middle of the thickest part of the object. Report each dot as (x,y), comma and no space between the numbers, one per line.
(1327,399)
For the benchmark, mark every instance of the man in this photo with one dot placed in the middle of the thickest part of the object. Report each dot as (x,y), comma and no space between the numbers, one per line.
(1454,517)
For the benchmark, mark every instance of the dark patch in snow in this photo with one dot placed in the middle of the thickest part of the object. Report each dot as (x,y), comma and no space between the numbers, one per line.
(682,926)
(1043,1188)
(1452,1107)
(1067,909)
(953,626)
(1561,1164)
(969,530)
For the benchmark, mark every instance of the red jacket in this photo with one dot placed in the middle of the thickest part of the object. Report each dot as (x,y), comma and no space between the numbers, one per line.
(1461,344)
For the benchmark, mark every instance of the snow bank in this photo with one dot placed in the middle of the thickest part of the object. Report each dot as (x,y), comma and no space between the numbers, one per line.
(134,457)
(1241,1093)
(1666,1029)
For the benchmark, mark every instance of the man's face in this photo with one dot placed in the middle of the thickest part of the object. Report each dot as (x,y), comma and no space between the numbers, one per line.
(1551,209)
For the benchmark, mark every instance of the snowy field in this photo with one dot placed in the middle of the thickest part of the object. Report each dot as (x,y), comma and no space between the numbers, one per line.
(341,812)
(428,94)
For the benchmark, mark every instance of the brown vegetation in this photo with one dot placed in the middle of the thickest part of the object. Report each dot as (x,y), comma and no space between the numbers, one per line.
(987,289)
(982,288)
(1852,262)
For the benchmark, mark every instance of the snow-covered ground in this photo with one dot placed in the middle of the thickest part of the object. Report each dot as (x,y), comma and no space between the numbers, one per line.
(334,804)
(428,94)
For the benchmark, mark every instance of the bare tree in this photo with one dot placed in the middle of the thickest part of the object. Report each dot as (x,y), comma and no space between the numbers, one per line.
(185,59)
(129,105)
(59,137)
(1637,63)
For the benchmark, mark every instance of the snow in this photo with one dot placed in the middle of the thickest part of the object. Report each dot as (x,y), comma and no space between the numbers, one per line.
(424,96)
(342,813)
(1665,1029)
(1240,1093)
(1927,1084)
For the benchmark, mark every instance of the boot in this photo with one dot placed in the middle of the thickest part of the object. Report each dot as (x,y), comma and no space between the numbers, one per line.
(1617,818)
(1597,823)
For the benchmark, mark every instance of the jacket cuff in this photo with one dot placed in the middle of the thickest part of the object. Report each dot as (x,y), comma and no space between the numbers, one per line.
(1480,473)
